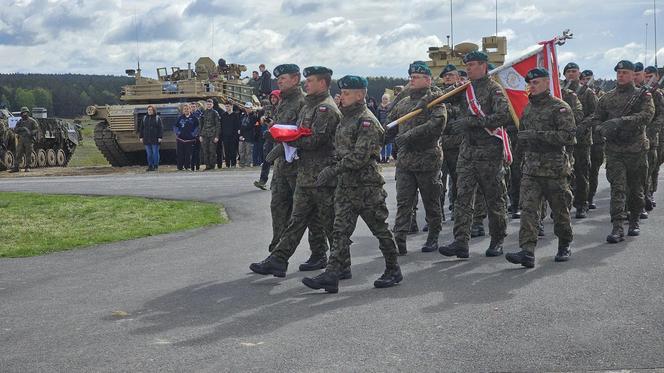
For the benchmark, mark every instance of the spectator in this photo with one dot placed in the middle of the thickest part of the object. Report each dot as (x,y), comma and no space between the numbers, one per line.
(266,122)
(150,133)
(372,106)
(247,134)
(220,144)
(266,82)
(381,114)
(337,100)
(255,83)
(230,125)
(196,111)
(186,131)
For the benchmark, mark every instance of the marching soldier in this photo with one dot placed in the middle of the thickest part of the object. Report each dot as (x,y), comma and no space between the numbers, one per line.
(209,134)
(26,130)
(547,128)
(360,191)
(597,147)
(653,132)
(452,135)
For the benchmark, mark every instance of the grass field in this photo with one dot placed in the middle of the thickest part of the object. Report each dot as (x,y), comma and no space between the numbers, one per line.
(87,154)
(34,224)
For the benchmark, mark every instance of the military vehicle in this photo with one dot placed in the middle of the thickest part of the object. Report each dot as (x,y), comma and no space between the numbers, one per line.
(494,46)
(115,133)
(54,144)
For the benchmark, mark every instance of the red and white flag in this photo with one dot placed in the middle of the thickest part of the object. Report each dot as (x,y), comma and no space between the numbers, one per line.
(288,132)
(500,133)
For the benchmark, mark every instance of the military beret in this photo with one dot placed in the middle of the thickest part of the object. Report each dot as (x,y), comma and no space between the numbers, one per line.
(569,66)
(475,56)
(316,70)
(586,73)
(419,67)
(352,82)
(624,65)
(638,67)
(491,66)
(463,73)
(651,70)
(288,68)
(536,73)
(24,109)
(448,69)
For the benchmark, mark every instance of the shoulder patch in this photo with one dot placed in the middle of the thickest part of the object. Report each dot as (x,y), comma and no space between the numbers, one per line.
(366,124)
(322,108)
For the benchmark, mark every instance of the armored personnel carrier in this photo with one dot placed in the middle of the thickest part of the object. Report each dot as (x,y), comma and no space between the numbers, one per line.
(494,46)
(115,133)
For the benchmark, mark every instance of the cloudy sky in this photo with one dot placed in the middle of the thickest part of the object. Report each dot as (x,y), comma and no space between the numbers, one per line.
(367,37)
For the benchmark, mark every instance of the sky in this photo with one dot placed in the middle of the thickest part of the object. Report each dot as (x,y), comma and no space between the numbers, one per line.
(363,37)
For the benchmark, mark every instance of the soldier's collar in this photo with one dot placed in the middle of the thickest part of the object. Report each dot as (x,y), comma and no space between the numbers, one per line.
(353,109)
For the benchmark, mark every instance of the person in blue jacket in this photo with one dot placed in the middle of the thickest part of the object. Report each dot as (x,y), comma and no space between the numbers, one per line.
(186,131)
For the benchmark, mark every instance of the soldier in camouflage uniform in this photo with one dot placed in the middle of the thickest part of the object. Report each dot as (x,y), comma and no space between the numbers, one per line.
(26,130)
(359,192)
(419,158)
(284,175)
(598,143)
(653,133)
(209,134)
(626,143)
(480,162)
(321,116)
(547,128)
(639,81)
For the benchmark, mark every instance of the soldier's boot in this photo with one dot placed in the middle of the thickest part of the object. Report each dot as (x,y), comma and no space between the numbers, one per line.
(426,227)
(15,169)
(328,281)
(591,205)
(617,234)
(649,203)
(495,248)
(634,229)
(260,184)
(477,230)
(644,214)
(400,240)
(413,224)
(523,257)
(345,274)
(516,214)
(432,243)
(390,277)
(564,253)
(540,229)
(26,170)
(314,263)
(270,266)
(456,248)
(581,213)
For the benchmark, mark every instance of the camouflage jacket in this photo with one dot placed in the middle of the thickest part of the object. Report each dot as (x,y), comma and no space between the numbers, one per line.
(452,137)
(423,153)
(27,129)
(553,123)
(583,133)
(286,112)
(210,124)
(357,143)
(657,123)
(321,115)
(631,135)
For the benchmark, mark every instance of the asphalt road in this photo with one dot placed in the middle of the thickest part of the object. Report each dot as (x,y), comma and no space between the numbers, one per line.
(193,305)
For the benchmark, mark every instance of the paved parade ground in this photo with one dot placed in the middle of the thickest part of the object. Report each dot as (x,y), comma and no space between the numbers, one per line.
(188,302)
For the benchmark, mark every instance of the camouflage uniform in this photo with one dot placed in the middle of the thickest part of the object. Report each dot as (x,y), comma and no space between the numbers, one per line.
(359,192)
(322,116)
(626,144)
(209,130)
(653,133)
(26,130)
(451,141)
(418,165)
(546,170)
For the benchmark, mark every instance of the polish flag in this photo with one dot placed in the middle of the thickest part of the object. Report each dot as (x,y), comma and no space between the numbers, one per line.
(288,132)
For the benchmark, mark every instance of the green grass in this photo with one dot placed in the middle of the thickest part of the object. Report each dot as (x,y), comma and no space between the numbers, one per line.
(34,224)
(86,153)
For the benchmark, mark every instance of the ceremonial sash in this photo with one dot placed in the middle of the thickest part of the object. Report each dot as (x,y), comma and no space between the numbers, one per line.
(475,108)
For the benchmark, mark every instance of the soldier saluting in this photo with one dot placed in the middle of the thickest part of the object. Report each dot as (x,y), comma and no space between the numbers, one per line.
(26,130)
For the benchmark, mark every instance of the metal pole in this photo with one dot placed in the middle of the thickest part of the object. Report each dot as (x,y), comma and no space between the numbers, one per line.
(496,17)
(654,14)
(452,25)
(645,59)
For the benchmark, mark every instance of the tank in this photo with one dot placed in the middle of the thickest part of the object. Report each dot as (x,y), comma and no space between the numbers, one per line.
(494,46)
(115,133)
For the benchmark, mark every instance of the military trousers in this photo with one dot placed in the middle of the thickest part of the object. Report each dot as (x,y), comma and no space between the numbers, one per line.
(625,172)
(430,186)
(651,177)
(555,191)
(596,161)
(581,175)
(282,189)
(209,148)
(367,202)
(487,176)
(514,187)
(309,204)
(23,151)
(450,157)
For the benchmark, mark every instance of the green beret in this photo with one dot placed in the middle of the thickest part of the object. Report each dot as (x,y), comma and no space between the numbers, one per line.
(316,70)
(586,73)
(448,69)
(475,56)
(638,67)
(536,73)
(624,65)
(569,66)
(463,73)
(288,68)
(419,67)
(651,70)
(24,109)
(491,66)
(352,82)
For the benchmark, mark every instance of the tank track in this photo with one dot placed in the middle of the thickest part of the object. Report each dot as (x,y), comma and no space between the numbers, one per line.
(106,143)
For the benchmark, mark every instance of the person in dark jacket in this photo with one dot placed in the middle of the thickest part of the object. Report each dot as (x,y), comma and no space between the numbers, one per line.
(266,82)
(267,122)
(372,106)
(248,134)
(196,111)
(230,125)
(186,131)
(381,113)
(220,143)
(150,133)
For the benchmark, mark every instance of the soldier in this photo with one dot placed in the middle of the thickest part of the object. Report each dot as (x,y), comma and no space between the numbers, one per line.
(626,142)
(452,135)
(26,130)
(321,116)
(547,127)
(360,191)
(639,81)
(653,132)
(419,157)
(597,147)
(209,134)
(480,164)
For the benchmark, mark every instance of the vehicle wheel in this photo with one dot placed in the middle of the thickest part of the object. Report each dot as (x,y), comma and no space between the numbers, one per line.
(41,158)
(50,158)
(60,157)
(33,159)
(9,159)
(21,163)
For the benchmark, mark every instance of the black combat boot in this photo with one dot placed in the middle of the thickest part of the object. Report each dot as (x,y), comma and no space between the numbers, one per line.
(270,266)
(328,281)
(634,229)
(431,245)
(400,240)
(477,230)
(314,263)
(426,227)
(564,253)
(648,201)
(495,248)
(643,215)
(523,257)
(592,205)
(345,274)
(13,170)
(390,277)
(581,213)
(516,214)
(456,248)
(617,233)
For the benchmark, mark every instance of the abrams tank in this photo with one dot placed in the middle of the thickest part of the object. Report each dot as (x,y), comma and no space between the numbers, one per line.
(115,133)
(494,46)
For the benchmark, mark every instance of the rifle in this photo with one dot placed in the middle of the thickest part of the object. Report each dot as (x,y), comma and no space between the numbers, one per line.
(646,88)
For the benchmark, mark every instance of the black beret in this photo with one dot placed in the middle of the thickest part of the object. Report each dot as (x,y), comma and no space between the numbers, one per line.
(419,67)
(624,65)
(475,56)
(638,67)
(463,73)
(570,65)
(651,70)
(352,82)
(536,73)
(448,69)
(288,68)
(316,70)
(586,73)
